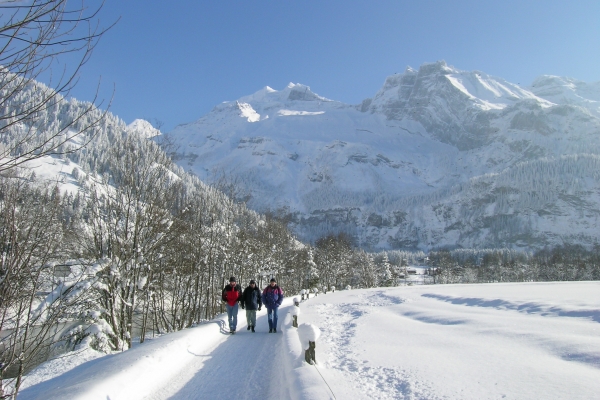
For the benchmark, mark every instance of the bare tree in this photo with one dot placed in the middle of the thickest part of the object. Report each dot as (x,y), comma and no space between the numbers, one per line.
(32,302)
(34,35)
(130,224)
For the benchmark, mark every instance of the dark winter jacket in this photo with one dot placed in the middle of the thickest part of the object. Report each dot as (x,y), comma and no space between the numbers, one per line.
(251,298)
(272,296)
(232,294)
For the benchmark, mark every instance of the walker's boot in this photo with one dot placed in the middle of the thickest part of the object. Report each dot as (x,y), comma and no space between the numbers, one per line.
(270,330)
(274,330)
(248,328)
(253,329)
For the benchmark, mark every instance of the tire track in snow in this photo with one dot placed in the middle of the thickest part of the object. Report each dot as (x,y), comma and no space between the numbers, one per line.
(373,382)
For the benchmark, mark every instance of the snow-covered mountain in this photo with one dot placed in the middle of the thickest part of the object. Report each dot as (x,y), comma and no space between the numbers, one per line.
(439,157)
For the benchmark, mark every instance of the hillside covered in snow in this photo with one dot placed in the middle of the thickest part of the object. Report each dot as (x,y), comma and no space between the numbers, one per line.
(438,157)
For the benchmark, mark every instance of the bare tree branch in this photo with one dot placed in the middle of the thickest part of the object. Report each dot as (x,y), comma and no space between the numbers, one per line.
(33,37)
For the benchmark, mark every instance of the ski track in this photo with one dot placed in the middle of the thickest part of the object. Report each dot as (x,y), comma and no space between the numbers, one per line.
(242,366)
(373,382)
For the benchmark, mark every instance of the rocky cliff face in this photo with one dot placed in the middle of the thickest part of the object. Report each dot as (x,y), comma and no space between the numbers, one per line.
(438,157)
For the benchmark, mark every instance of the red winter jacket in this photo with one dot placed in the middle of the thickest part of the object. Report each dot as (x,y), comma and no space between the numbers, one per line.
(232,294)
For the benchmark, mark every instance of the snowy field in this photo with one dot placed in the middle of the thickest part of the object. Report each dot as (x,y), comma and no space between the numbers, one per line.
(490,341)
(493,341)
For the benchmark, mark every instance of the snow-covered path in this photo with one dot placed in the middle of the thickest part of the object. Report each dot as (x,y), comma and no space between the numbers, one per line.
(201,362)
(243,366)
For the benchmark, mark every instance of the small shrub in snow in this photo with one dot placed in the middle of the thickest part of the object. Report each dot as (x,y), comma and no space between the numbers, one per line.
(95,334)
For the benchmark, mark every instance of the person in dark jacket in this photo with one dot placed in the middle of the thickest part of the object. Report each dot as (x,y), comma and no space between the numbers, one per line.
(232,294)
(251,301)
(272,297)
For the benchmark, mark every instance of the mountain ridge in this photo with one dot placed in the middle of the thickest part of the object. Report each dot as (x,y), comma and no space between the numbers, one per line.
(379,169)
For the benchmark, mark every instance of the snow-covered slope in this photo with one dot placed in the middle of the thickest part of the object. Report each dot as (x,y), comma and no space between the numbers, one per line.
(398,170)
(561,90)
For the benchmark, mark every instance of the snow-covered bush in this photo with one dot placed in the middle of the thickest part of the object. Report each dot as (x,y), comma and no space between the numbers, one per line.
(95,335)
(98,336)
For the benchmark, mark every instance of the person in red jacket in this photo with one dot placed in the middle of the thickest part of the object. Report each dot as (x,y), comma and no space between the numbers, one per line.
(232,294)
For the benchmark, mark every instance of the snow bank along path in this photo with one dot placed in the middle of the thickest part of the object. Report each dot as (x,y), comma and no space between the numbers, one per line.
(200,362)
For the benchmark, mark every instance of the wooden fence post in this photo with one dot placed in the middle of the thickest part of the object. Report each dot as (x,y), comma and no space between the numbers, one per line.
(309,354)
(295,312)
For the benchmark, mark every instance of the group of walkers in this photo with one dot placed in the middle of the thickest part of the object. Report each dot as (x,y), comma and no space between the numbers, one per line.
(252,300)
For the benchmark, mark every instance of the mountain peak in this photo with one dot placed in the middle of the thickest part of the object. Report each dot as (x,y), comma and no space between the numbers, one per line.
(436,67)
(438,82)
(299,92)
(292,92)
(143,128)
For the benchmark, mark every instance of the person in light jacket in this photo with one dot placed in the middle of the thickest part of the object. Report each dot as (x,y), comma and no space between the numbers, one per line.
(272,297)
(251,301)
(232,294)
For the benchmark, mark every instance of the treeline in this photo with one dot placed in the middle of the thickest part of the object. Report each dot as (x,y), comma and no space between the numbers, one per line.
(562,263)
(340,264)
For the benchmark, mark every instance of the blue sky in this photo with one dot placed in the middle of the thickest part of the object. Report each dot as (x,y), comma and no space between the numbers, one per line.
(175,60)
